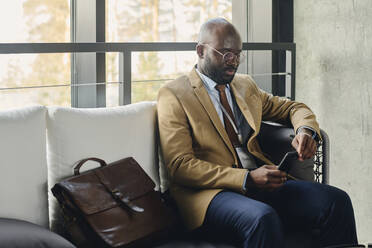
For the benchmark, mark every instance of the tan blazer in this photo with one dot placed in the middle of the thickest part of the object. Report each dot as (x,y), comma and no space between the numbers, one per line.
(196,148)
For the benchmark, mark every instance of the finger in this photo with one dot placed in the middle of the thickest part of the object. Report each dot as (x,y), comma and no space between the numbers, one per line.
(299,143)
(306,153)
(309,149)
(311,152)
(302,143)
(295,142)
(271,167)
(315,149)
(276,173)
(277,180)
(301,147)
(282,176)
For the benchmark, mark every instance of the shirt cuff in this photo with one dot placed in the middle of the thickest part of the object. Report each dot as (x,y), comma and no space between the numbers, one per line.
(314,136)
(245,181)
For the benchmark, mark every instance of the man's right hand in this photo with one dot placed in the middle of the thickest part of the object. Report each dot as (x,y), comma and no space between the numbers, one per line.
(267,177)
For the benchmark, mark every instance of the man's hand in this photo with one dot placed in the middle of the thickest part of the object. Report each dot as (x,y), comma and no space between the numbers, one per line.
(267,177)
(304,144)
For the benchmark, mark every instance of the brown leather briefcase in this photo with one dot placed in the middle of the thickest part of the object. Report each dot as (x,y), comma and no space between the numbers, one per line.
(114,205)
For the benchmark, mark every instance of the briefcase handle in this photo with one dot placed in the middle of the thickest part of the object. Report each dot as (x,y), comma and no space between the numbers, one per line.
(81,162)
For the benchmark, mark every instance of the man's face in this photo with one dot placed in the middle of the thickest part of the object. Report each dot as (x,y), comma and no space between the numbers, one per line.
(220,71)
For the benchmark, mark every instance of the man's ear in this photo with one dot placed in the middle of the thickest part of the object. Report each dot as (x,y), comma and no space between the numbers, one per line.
(200,50)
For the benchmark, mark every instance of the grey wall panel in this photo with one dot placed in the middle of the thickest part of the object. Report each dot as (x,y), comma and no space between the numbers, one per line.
(334,51)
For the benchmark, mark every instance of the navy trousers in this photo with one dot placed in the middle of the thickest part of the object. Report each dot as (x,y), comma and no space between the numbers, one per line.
(260,219)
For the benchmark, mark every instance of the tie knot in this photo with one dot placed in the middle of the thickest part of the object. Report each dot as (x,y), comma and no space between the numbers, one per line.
(220,87)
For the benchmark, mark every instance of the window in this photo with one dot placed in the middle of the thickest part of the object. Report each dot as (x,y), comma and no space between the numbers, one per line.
(156,21)
(140,21)
(34,21)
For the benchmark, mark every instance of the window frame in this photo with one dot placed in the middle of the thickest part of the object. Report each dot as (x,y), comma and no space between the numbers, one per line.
(88,48)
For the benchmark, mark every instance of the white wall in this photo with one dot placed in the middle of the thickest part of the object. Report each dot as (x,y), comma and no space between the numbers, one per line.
(334,77)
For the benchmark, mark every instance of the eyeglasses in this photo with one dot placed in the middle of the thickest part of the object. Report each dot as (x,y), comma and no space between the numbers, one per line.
(228,57)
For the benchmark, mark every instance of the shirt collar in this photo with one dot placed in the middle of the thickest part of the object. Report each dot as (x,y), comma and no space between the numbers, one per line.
(208,82)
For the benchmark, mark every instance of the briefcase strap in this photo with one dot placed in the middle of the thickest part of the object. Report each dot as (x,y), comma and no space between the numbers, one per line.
(117,194)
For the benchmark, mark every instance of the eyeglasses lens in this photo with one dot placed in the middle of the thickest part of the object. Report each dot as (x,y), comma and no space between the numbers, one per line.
(229,56)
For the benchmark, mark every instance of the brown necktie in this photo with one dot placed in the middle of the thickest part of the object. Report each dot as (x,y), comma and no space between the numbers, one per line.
(228,126)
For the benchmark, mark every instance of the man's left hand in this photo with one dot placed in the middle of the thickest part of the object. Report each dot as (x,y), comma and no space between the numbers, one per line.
(304,144)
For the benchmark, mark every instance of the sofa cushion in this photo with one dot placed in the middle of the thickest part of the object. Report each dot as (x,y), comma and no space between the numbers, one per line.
(23,166)
(22,234)
(107,133)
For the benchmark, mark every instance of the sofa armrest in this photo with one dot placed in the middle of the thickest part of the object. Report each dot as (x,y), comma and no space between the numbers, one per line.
(275,141)
(19,233)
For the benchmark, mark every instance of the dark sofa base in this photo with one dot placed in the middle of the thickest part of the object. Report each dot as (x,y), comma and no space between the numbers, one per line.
(294,239)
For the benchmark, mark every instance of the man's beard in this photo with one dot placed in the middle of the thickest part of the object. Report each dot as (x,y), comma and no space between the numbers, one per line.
(215,73)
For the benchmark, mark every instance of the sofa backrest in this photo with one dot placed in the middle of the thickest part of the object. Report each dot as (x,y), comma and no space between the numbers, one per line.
(107,133)
(31,162)
(23,168)
(28,163)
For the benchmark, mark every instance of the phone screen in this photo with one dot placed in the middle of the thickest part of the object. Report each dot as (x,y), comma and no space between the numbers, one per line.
(284,165)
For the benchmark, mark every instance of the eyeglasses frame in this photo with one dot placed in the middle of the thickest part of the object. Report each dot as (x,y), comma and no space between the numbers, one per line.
(240,57)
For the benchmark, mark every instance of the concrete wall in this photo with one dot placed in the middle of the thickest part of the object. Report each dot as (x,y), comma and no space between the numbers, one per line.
(334,77)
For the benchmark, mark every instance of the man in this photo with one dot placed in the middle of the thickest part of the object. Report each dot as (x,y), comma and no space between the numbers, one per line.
(208,122)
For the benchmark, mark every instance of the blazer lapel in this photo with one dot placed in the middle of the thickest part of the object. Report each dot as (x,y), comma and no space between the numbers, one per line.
(250,109)
(243,103)
(204,99)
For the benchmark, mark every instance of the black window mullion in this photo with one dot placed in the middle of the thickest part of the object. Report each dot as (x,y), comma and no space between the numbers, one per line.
(282,17)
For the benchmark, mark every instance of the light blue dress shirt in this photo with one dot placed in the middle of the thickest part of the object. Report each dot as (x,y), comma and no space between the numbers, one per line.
(241,122)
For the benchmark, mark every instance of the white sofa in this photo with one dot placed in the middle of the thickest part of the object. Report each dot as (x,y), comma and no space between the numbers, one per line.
(40,145)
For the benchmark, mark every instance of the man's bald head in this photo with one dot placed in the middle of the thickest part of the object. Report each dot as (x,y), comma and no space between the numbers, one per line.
(217,38)
(217,28)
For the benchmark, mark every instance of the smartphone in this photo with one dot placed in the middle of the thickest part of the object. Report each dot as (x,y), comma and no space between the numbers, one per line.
(284,165)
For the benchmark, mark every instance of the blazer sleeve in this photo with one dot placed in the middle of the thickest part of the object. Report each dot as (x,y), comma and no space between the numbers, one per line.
(177,147)
(283,110)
